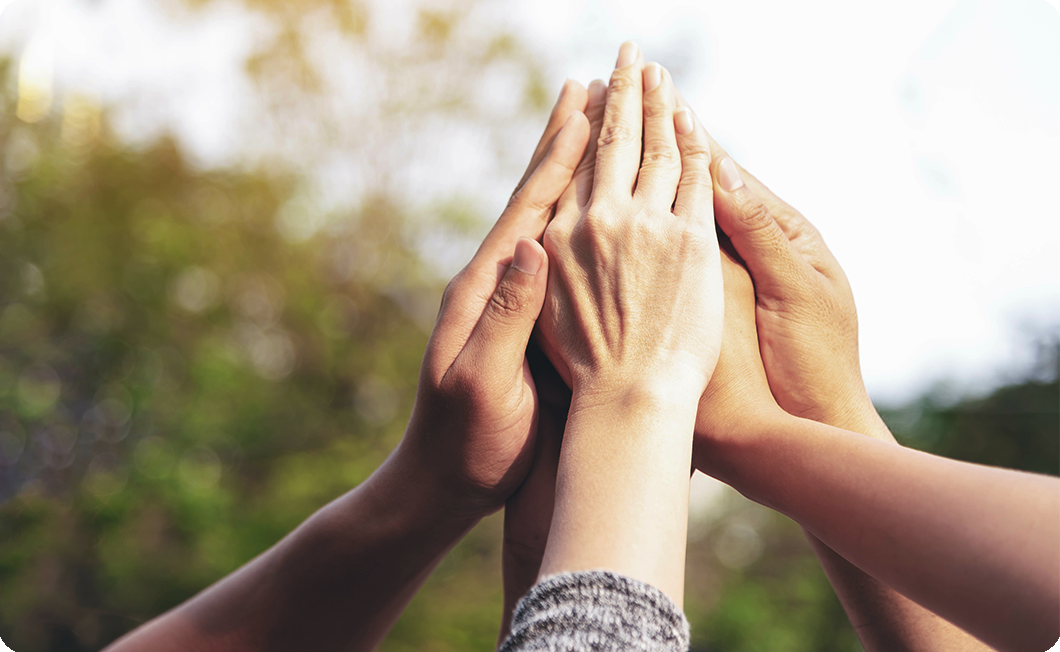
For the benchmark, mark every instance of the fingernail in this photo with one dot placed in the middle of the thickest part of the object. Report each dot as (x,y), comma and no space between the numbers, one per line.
(729,175)
(526,259)
(683,122)
(627,54)
(597,91)
(652,77)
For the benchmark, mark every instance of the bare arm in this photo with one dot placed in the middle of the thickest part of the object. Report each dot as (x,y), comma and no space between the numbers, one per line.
(338,582)
(807,336)
(883,618)
(979,546)
(341,579)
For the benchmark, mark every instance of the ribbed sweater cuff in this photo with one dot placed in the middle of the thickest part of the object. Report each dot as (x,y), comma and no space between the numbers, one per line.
(598,611)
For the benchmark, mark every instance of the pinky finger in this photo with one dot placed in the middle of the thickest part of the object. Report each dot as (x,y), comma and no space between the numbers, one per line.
(695,193)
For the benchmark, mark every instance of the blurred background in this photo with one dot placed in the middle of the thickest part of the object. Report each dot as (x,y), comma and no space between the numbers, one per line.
(225,226)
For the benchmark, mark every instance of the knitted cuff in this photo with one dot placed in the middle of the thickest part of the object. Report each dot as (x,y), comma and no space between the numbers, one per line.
(598,611)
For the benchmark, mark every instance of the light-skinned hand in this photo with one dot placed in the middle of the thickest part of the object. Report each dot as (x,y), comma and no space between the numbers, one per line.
(634,290)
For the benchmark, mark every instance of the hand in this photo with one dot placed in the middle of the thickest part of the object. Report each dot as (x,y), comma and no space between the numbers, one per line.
(806,320)
(738,393)
(739,398)
(635,292)
(472,428)
(632,322)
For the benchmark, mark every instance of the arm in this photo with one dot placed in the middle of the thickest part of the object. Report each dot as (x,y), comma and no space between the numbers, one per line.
(633,319)
(975,544)
(635,310)
(528,513)
(340,580)
(807,336)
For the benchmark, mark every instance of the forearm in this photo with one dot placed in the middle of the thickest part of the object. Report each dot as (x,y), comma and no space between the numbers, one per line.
(885,620)
(338,582)
(622,491)
(973,544)
(528,513)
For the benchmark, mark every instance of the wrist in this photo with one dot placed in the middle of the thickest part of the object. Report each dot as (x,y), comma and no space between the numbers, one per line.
(622,485)
(858,415)
(725,429)
(673,396)
(749,447)
(415,487)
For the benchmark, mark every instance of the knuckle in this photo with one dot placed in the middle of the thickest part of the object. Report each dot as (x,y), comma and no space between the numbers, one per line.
(452,287)
(754,216)
(696,177)
(596,228)
(656,108)
(696,153)
(556,236)
(625,80)
(659,156)
(507,302)
(598,215)
(616,132)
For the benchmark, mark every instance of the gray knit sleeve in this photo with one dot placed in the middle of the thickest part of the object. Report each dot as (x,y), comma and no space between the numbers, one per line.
(598,611)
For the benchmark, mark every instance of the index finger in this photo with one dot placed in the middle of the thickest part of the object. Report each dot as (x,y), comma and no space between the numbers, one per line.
(619,145)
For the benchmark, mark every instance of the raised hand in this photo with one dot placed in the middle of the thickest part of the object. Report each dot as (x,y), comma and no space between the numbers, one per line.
(632,321)
(528,512)
(472,428)
(801,307)
(341,579)
(805,315)
(738,392)
(634,290)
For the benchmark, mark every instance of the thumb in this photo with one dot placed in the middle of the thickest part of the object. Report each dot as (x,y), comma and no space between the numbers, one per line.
(775,266)
(497,344)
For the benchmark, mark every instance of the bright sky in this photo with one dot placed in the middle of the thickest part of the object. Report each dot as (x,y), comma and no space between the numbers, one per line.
(920,136)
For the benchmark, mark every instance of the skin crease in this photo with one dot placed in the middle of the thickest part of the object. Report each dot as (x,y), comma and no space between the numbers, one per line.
(340,580)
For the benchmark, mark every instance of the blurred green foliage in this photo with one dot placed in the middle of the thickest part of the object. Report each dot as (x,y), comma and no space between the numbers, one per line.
(180,385)
(187,372)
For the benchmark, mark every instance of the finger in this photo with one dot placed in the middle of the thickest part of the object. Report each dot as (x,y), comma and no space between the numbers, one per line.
(577,194)
(496,347)
(618,149)
(572,97)
(660,167)
(789,219)
(530,209)
(803,235)
(695,194)
(774,264)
